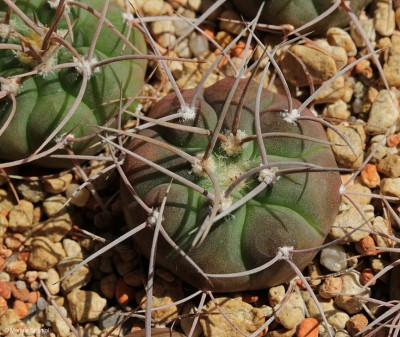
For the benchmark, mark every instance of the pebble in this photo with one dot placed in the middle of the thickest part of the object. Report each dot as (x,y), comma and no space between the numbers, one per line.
(85,305)
(19,293)
(164,293)
(334,258)
(3,306)
(391,68)
(338,320)
(20,218)
(230,27)
(16,268)
(390,187)
(54,204)
(356,324)
(338,53)
(384,19)
(352,286)
(381,226)
(8,320)
(81,198)
(111,318)
(77,279)
(52,281)
(124,293)
(245,317)
(330,287)
(390,166)
(366,246)
(124,267)
(369,30)
(320,65)
(188,313)
(366,275)
(5,290)
(339,89)
(363,199)
(31,190)
(60,327)
(44,253)
(72,248)
(293,312)
(41,304)
(133,278)
(33,297)
(153,7)
(282,333)
(57,185)
(198,45)
(55,228)
(339,37)
(327,305)
(3,225)
(6,200)
(163,26)
(20,308)
(384,113)
(349,219)
(369,176)
(307,328)
(343,154)
(108,285)
(337,109)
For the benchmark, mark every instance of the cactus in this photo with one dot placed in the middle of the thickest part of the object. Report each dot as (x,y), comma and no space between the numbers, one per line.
(51,82)
(296,208)
(299,13)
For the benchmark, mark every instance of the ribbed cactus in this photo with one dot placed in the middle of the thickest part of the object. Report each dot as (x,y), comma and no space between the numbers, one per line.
(298,12)
(290,200)
(49,69)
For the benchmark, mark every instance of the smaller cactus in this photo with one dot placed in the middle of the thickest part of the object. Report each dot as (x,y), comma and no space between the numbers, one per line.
(298,12)
(252,210)
(59,78)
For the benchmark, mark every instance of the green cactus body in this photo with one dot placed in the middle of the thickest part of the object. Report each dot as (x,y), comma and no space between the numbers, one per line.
(298,12)
(297,210)
(43,100)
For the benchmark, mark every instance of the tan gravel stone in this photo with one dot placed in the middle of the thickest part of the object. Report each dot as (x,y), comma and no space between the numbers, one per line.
(339,37)
(390,187)
(55,228)
(344,155)
(57,185)
(384,19)
(44,253)
(244,316)
(77,279)
(352,286)
(320,65)
(384,113)
(164,293)
(349,219)
(85,306)
(20,218)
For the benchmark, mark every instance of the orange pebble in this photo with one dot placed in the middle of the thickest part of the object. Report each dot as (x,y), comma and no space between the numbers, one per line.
(33,297)
(370,176)
(20,308)
(393,140)
(5,290)
(124,293)
(3,306)
(307,328)
(366,275)
(210,33)
(366,246)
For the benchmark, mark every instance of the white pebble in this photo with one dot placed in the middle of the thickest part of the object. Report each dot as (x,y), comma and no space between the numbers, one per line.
(334,258)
